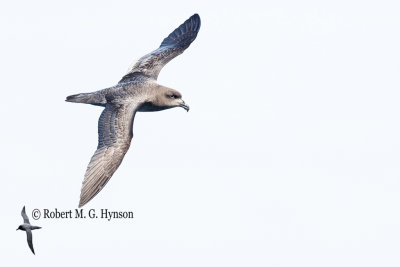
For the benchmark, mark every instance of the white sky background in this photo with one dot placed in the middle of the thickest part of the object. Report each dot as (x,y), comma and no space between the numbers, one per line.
(289,155)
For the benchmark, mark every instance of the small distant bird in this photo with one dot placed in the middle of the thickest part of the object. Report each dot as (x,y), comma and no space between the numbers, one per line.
(137,91)
(27,227)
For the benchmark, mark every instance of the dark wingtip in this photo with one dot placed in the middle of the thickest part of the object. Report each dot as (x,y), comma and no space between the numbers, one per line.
(32,249)
(81,204)
(196,17)
(185,34)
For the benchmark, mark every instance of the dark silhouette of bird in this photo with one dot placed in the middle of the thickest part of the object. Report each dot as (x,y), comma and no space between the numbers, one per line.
(137,91)
(27,227)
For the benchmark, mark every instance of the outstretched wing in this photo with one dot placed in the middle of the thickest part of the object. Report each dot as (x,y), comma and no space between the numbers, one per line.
(151,64)
(115,134)
(23,213)
(29,239)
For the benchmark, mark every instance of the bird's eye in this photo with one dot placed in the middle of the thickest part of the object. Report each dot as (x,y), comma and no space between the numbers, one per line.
(172,96)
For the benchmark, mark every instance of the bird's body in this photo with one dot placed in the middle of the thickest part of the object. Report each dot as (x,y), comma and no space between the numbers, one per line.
(27,227)
(137,91)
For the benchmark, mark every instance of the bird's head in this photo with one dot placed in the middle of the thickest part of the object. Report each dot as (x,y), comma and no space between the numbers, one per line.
(173,98)
(19,228)
(165,99)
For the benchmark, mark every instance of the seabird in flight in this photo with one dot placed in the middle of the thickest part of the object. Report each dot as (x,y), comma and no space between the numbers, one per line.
(27,227)
(137,91)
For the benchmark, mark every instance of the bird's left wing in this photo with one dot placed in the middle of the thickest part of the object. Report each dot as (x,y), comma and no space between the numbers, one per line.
(29,239)
(151,64)
(23,213)
(115,134)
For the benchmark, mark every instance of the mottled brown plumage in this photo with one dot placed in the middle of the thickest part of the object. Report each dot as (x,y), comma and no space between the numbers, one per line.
(137,91)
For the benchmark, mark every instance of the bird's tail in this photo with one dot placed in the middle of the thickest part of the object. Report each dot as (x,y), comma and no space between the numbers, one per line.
(79,98)
(96,98)
(35,227)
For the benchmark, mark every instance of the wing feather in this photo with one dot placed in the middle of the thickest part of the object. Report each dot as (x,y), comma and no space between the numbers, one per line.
(23,213)
(115,134)
(151,64)
(29,239)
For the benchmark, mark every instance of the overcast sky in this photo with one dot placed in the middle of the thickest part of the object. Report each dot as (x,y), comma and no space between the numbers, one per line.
(289,155)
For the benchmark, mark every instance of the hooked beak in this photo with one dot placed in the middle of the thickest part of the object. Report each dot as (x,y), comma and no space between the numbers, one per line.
(183,105)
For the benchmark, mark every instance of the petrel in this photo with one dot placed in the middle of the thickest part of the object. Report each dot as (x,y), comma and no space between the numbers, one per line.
(137,91)
(27,227)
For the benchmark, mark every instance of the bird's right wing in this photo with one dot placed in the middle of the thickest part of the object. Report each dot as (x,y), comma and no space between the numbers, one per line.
(115,134)
(151,64)
(23,213)
(29,239)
